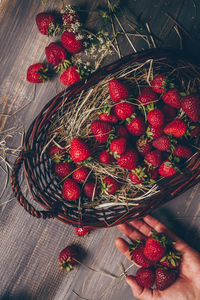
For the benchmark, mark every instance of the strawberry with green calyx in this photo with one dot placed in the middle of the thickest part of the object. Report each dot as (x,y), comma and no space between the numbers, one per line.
(117,90)
(68,258)
(145,277)
(128,160)
(162,143)
(167,169)
(172,259)
(156,245)
(72,42)
(118,147)
(182,151)
(165,277)
(121,131)
(169,112)
(143,145)
(70,76)
(45,22)
(136,250)
(124,110)
(136,125)
(81,174)
(90,189)
(172,98)
(79,151)
(56,56)
(63,169)
(57,154)
(38,73)
(159,83)
(107,115)
(153,159)
(110,185)
(101,130)
(82,231)
(147,96)
(177,128)
(138,175)
(105,157)
(154,132)
(71,190)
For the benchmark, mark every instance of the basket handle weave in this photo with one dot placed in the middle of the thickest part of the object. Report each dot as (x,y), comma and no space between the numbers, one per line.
(18,193)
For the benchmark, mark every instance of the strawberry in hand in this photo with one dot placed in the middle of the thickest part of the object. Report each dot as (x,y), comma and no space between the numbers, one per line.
(136,250)
(145,277)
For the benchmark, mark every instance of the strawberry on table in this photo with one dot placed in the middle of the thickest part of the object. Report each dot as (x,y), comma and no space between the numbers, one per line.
(153,158)
(101,130)
(82,231)
(138,176)
(172,98)
(105,157)
(155,247)
(118,146)
(165,278)
(71,190)
(70,76)
(177,128)
(71,42)
(166,169)
(90,189)
(162,143)
(155,117)
(172,259)
(136,250)
(158,84)
(37,73)
(80,174)
(79,150)
(191,106)
(55,54)
(118,91)
(136,126)
(44,22)
(147,95)
(128,160)
(182,151)
(63,169)
(145,277)
(67,258)
(110,185)
(124,110)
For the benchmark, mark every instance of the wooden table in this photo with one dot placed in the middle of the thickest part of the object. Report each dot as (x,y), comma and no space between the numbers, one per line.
(30,246)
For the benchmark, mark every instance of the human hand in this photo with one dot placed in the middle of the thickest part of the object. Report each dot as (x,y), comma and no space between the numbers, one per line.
(187,285)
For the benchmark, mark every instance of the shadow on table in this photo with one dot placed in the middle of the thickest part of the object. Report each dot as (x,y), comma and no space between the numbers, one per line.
(18,296)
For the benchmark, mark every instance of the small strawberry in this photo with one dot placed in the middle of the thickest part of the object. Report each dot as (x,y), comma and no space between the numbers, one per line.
(155,117)
(147,95)
(79,150)
(67,258)
(44,21)
(90,189)
(191,106)
(110,185)
(166,169)
(108,117)
(155,247)
(53,150)
(162,143)
(145,277)
(169,112)
(124,110)
(143,145)
(71,190)
(153,159)
(71,42)
(37,73)
(177,128)
(128,160)
(70,76)
(101,130)
(55,54)
(118,91)
(81,174)
(63,169)
(182,151)
(158,83)
(136,126)
(172,259)
(118,146)
(105,157)
(82,231)
(136,250)
(165,278)
(172,98)
(121,131)
(154,132)
(138,175)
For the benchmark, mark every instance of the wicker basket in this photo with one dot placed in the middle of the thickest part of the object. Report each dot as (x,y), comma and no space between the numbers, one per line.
(46,191)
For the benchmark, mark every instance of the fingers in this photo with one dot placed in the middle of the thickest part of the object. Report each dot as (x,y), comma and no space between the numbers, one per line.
(123,247)
(131,232)
(138,291)
(140,225)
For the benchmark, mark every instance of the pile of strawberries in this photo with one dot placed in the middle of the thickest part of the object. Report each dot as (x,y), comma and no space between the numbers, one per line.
(59,54)
(159,261)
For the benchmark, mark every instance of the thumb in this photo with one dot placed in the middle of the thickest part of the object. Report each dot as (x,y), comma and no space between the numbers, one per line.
(138,291)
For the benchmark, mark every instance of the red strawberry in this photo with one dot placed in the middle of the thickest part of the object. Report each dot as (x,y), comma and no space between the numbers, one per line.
(55,54)
(137,254)
(122,132)
(118,146)
(143,145)
(63,169)
(155,117)
(79,150)
(195,131)
(138,176)
(82,231)
(118,91)
(105,157)
(158,84)
(182,151)
(70,76)
(37,73)
(136,126)
(90,189)
(67,258)
(162,143)
(110,185)
(153,158)
(44,21)
(176,128)
(169,112)
(101,130)
(108,118)
(191,106)
(54,149)
(71,190)
(155,246)
(71,42)
(147,95)
(80,174)
(69,18)
(172,259)
(172,98)
(124,110)
(145,277)
(154,132)
(128,160)
(166,169)
(164,278)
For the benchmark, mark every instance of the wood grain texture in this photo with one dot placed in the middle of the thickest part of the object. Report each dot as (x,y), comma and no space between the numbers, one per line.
(30,247)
